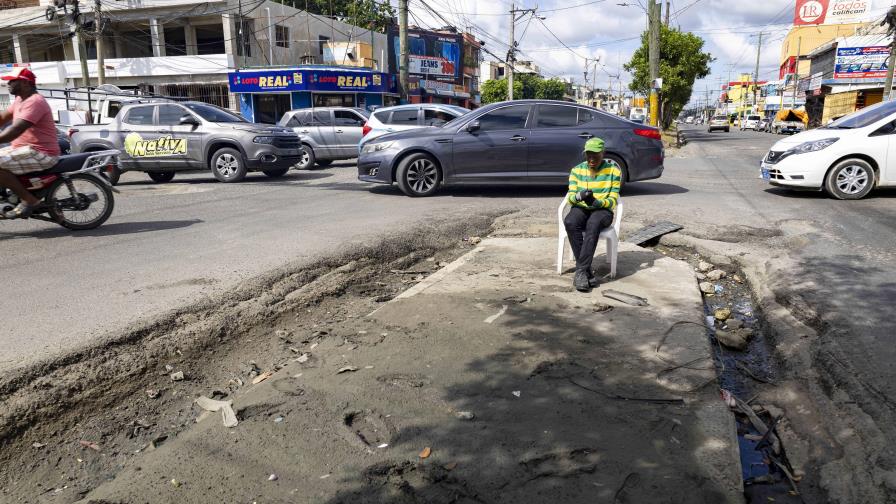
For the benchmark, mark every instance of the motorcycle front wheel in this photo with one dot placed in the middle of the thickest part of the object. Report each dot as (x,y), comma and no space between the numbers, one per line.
(81,202)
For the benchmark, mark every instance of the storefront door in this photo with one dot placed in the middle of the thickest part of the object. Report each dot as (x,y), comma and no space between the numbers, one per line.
(270,107)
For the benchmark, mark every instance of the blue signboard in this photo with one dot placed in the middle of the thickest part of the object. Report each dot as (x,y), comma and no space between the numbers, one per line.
(261,81)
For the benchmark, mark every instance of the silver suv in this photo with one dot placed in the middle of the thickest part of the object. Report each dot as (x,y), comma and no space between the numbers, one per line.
(327,133)
(162,138)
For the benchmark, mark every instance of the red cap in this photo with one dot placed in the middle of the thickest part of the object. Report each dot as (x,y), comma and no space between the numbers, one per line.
(22,73)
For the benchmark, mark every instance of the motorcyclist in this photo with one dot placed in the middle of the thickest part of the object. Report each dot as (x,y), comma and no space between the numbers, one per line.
(32,133)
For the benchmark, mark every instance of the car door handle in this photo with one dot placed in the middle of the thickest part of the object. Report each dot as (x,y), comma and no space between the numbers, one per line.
(586,135)
(518,138)
(338,131)
(303,131)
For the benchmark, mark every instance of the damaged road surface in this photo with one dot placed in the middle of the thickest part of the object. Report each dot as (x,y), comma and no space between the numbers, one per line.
(489,380)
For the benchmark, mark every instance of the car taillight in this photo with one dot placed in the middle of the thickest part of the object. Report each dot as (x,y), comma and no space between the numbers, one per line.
(365,130)
(649,133)
(71,131)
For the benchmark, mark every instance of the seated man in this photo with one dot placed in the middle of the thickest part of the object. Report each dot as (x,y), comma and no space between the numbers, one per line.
(34,144)
(593,191)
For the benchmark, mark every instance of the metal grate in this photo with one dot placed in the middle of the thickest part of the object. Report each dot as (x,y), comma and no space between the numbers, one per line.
(652,231)
(215,94)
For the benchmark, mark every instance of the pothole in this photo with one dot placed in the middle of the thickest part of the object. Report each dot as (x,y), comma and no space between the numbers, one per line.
(744,363)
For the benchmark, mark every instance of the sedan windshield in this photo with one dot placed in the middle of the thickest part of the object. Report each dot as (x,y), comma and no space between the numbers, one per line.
(866,116)
(212,113)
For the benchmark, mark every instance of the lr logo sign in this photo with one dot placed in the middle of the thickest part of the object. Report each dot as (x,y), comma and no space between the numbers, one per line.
(810,12)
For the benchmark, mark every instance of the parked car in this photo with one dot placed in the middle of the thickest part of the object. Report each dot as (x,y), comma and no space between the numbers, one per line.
(763,125)
(327,133)
(638,115)
(719,122)
(847,158)
(520,142)
(750,122)
(689,120)
(65,146)
(789,122)
(162,138)
(405,117)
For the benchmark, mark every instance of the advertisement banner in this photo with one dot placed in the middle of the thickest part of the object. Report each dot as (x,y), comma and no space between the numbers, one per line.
(861,62)
(310,80)
(818,12)
(432,56)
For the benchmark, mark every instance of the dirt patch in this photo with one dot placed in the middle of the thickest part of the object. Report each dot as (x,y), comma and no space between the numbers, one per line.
(221,345)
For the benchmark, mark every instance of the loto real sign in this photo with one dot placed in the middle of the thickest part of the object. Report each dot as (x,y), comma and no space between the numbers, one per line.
(818,12)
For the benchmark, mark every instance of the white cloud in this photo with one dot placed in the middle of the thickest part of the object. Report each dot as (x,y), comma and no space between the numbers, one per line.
(598,29)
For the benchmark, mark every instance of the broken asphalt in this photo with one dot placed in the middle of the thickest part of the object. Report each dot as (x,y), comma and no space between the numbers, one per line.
(492,380)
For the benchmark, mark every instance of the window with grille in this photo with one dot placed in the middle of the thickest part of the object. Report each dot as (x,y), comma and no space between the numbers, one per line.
(281,35)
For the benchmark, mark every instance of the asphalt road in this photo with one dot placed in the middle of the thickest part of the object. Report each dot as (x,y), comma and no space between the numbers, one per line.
(169,244)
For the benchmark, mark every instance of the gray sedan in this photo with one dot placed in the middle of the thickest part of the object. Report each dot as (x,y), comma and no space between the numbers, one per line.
(533,142)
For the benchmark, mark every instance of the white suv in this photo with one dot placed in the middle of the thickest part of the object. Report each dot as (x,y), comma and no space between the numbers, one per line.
(405,117)
(750,122)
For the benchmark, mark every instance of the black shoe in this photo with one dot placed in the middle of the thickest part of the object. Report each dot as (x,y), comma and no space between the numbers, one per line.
(592,280)
(581,282)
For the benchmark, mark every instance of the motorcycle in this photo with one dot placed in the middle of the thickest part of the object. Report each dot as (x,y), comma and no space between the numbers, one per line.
(74,193)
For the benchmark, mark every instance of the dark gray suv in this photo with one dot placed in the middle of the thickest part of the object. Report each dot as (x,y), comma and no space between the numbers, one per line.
(521,142)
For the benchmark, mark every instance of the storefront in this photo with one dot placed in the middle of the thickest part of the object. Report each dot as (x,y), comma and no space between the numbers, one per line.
(430,91)
(266,94)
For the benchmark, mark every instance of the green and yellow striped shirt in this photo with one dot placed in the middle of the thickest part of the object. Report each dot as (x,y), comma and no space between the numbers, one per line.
(604,183)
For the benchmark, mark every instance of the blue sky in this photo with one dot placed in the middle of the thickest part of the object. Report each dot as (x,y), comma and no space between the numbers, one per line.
(609,31)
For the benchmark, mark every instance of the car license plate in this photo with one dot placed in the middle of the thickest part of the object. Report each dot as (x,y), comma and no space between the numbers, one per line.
(765,174)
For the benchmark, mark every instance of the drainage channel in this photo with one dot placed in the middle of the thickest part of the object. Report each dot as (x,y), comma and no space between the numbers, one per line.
(745,364)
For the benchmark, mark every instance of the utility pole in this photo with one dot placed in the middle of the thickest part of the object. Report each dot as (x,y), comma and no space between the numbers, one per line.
(98,35)
(653,22)
(890,20)
(668,11)
(511,53)
(404,61)
(588,61)
(796,73)
(756,74)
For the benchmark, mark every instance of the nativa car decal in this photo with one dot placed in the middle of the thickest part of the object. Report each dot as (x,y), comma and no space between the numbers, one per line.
(136,146)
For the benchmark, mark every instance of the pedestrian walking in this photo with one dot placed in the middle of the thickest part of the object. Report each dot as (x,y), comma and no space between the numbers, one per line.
(593,193)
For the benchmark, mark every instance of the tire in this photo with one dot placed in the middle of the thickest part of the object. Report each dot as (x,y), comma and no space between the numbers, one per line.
(622,168)
(850,179)
(276,173)
(306,162)
(418,175)
(228,165)
(160,177)
(727,130)
(78,219)
(323,163)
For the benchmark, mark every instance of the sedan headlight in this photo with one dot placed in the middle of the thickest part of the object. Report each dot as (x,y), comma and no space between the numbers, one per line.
(264,139)
(815,145)
(376,147)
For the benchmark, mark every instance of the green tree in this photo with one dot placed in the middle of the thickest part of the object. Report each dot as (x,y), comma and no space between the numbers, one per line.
(369,14)
(682,61)
(525,87)
(551,89)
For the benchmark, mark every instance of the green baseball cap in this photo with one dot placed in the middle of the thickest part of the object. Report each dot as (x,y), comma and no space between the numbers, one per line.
(594,145)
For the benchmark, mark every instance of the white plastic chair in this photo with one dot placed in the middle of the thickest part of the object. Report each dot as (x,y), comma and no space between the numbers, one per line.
(611,235)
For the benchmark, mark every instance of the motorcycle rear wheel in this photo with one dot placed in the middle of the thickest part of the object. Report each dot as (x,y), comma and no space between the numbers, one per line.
(79,211)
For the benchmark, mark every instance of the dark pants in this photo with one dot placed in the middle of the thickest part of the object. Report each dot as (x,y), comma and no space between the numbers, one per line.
(583,228)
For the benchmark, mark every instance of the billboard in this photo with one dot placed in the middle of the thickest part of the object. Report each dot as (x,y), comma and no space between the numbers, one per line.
(861,62)
(817,12)
(259,81)
(432,56)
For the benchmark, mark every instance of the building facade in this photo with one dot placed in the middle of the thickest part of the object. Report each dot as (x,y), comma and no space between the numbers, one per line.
(184,48)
